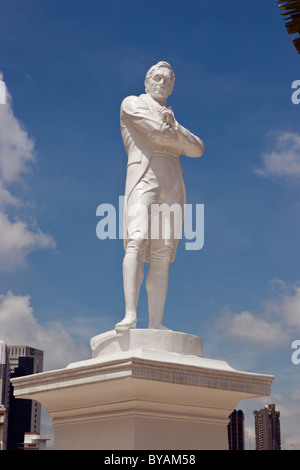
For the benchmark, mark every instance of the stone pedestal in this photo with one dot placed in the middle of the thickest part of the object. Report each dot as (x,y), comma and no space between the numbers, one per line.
(145,389)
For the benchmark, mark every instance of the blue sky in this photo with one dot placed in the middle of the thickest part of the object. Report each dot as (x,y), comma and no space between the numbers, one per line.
(67,66)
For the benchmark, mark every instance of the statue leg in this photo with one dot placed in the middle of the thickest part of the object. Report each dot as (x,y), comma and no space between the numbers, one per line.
(133,274)
(157,286)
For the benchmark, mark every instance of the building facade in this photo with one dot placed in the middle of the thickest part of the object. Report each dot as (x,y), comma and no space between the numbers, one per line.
(3,421)
(33,441)
(21,415)
(236,435)
(267,428)
(3,395)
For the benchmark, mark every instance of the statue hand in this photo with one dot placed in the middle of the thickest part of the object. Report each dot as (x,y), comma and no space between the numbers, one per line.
(168,117)
(166,128)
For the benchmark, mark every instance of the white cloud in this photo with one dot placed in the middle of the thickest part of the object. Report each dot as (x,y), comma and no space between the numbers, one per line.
(284,159)
(288,306)
(274,327)
(18,325)
(295,395)
(16,147)
(6,198)
(17,238)
(252,328)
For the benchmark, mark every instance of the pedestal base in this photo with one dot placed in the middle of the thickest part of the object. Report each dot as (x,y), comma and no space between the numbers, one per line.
(145,389)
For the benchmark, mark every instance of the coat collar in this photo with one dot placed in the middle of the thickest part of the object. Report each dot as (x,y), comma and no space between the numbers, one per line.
(152,104)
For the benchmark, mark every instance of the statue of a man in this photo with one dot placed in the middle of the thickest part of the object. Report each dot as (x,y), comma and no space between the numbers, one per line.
(153,141)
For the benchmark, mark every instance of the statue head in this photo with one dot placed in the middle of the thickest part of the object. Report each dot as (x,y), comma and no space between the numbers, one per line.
(159,81)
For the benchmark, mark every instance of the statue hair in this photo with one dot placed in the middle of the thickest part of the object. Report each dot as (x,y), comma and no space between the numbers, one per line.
(156,66)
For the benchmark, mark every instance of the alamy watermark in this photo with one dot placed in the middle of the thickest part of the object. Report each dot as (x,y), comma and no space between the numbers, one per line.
(166,222)
(296,94)
(296,354)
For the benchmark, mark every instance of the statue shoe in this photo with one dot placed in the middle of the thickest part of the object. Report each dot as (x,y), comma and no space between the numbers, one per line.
(126,324)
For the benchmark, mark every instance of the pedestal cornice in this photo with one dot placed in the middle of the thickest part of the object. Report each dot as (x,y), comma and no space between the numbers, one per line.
(142,389)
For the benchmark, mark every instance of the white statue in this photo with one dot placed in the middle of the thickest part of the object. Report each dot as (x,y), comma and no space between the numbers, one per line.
(153,141)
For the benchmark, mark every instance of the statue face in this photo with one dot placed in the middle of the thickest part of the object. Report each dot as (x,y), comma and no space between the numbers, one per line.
(160,85)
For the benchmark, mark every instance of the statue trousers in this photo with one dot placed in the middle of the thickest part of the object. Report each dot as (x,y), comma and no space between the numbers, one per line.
(155,211)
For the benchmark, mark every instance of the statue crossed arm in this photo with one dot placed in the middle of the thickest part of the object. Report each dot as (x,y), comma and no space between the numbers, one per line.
(153,141)
(160,127)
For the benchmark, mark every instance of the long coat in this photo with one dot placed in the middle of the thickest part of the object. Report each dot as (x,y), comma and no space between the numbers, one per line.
(144,133)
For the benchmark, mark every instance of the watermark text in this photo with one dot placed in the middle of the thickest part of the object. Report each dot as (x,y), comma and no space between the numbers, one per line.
(296,94)
(167,222)
(296,354)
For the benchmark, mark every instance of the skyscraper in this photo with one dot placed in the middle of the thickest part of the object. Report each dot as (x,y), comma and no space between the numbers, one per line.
(23,415)
(3,372)
(267,428)
(3,392)
(236,430)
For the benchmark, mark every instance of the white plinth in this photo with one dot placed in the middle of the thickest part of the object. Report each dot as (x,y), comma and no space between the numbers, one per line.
(145,389)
